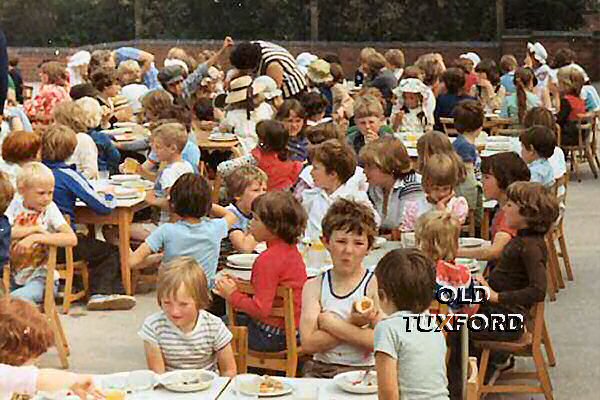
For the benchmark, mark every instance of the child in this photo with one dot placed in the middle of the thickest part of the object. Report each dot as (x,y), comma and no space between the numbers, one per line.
(105,82)
(278,220)
(508,65)
(320,80)
(440,178)
(36,224)
(489,90)
(370,123)
(411,117)
(343,103)
(409,363)
(271,156)
(333,164)
(183,335)
(395,62)
(518,281)
(543,116)
(315,106)
(340,338)
(193,234)
(468,121)
(468,62)
(499,172)
(26,335)
(360,74)
(516,105)
(168,141)
(538,143)
(130,77)
(292,115)
(19,148)
(58,144)
(7,192)
(454,80)
(570,82)
(243,186)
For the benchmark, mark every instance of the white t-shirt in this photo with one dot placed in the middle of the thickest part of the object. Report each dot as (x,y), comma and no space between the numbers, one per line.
(50,219)
(166,178)
(244,128)
(193,350)
(421,356)
(85,156)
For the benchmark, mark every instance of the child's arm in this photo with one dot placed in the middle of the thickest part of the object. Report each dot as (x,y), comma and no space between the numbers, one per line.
(154,357)
(387,377)
(19,232)
(84,191)
(487,253)
(242,241)
(113,156)
(160,202)
(314,339)
(51,380)
(460,209)
(139,255)
(221,212)
(65,237)
(226,361)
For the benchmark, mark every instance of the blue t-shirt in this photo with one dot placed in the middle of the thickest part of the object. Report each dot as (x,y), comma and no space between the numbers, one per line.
(507,80)
(466,150)
(4,240)
(542,172)
(190,153)
(202,241)
(243,222)
(444,108)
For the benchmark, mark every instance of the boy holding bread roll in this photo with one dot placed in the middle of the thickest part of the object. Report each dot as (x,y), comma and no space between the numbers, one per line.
(340,307)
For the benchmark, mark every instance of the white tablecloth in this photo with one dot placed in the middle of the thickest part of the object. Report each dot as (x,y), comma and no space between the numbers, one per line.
(160,393)
(327,390)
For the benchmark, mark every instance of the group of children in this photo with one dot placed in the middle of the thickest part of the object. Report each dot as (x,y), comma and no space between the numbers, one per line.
(318,168)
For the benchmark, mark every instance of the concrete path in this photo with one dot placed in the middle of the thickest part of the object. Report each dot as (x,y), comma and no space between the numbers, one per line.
(104,342)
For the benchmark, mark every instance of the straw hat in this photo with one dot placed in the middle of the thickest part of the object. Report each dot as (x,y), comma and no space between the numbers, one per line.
(473,57)
(120,102)
(238,89)
(267,86)
(319,71)
(538,51)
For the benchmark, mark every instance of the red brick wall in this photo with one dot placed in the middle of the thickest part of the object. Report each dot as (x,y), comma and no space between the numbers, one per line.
(585,44)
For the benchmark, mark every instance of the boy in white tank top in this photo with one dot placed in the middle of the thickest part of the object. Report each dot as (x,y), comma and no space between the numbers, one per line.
(340,337)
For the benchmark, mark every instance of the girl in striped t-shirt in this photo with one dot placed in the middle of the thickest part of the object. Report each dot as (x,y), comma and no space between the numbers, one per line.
(184,335)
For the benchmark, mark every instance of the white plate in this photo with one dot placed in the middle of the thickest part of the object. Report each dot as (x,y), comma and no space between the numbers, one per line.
(123,380)
(125,178)
(222,137)
(174,380)
(344,382)
(141,184)
(379,241)
(125,124)
(471,242)
(242,260)
(239,267)
(287,389)
(498,139)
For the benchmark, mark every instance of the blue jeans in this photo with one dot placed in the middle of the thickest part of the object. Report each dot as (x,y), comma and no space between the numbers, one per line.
(33,290)
(261,338)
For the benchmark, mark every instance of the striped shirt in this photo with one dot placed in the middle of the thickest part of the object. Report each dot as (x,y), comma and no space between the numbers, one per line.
(193,350)
(293,79)
(403,191)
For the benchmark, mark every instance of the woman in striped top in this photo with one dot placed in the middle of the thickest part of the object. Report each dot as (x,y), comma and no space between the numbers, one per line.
(265,58)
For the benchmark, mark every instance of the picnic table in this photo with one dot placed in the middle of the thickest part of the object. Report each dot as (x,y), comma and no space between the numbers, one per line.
(122,216)
(204,143)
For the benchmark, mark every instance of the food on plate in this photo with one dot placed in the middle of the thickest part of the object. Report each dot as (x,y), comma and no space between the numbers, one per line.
(363,305)
(130,166)
(270,385)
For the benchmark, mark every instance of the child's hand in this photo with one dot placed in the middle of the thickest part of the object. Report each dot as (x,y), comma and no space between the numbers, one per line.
(443,202)
(228,42)
(493,294)
(362,319)
(24,245)
(327,319)
(371,136)
(84,387)
(398,119)
(225,287)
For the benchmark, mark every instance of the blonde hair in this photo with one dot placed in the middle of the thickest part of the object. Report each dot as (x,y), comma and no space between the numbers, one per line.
(375,62)
(129,71)
(367,106)
(365,53)
(571,79)
(389,155)
(171,133)
(435,142)
(187,273)
(71,114)
(58,143)
(7,191)
(436,234)
(395,57)
(91,112)
(237,181)
(440,170)
(34,172)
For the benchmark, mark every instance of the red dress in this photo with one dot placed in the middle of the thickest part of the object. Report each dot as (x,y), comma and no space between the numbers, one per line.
(281,175)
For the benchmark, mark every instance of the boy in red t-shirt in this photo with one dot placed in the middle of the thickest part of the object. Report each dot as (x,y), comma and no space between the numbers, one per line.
(279,220)
(570,82)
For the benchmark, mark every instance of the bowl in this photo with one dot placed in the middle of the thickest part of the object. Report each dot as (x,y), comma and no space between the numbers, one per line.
(184,381)
(471,242)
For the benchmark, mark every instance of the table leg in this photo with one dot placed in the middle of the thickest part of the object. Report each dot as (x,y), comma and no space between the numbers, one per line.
(125,217)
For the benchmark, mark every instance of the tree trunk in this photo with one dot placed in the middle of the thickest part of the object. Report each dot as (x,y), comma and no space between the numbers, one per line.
(314,20)
(138,10)
(499,19)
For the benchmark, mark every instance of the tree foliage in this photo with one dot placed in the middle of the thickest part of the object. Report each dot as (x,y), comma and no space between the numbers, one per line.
(80,22)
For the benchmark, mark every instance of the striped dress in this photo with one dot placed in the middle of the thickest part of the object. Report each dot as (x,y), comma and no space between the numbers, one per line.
(293,79)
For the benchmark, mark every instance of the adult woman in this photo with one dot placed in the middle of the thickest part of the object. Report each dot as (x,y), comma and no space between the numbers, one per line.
(53,91)
(392,180)
(265,58)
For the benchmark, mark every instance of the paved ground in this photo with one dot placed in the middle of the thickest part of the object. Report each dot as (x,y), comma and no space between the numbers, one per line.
(107,342)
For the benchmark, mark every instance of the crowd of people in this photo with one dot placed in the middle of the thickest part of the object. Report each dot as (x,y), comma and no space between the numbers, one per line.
(322,164)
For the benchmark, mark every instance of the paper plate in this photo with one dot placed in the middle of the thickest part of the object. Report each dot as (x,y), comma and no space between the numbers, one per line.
(125,178)
(345,381)
(249,385)
(141,184)
(239,267)
(471,242)
(242,260)
(193,380)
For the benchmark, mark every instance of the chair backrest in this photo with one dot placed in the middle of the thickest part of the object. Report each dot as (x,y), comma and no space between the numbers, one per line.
(535,323)
(512,132)
(472,381)
(283,307)
(448,124)
(240,348)
(562,182)
(585,124)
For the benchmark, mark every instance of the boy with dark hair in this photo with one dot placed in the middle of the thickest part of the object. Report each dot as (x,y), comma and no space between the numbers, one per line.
(468,121)
(538,143)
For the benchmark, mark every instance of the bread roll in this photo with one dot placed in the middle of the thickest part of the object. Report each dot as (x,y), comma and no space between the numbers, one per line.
(363,305)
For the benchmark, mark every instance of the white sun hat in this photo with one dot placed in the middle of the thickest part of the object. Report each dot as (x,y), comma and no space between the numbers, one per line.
(473,57)
(169,62)
(267,86)
(82,57)
(304,60)
(538,51)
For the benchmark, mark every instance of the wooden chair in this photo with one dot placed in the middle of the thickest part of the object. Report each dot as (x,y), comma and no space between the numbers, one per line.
(513,132)
(286,360)
(472,382)
(448,124)
(529,345)
(240,348)
(583,148)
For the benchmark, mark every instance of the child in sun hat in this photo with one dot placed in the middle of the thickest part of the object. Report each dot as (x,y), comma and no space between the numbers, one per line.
(267,87)
(78,67)
(470,61)
(319,76)
(244,110)
(304,60)
(412,116)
